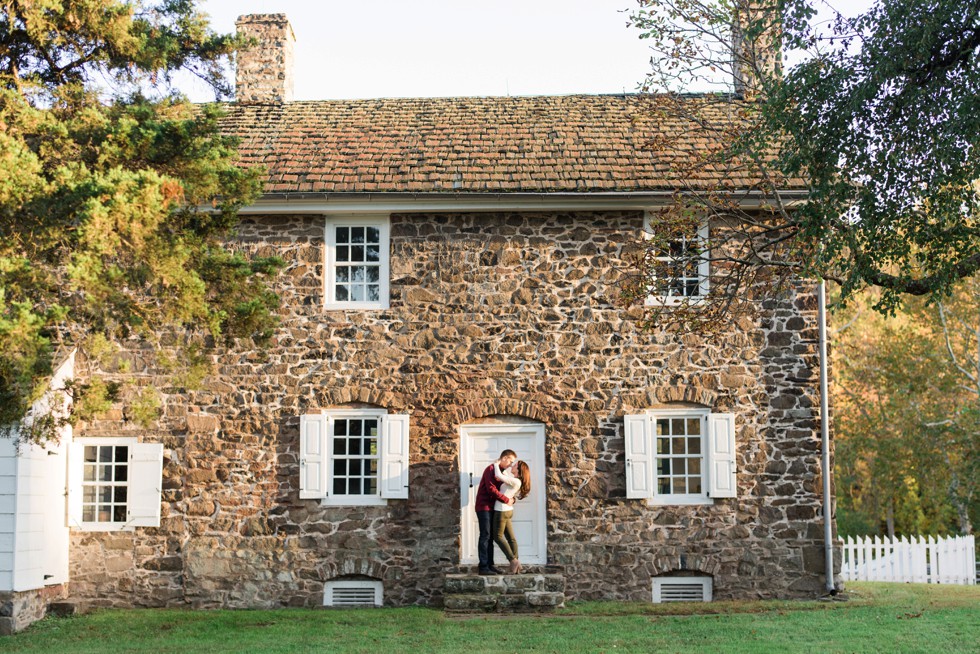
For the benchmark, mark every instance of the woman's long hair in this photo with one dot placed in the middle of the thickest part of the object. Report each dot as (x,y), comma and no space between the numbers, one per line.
(524,474)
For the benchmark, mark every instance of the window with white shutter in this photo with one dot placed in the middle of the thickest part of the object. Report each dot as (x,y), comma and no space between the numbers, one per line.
(354,457)
(114,484)
(680,456)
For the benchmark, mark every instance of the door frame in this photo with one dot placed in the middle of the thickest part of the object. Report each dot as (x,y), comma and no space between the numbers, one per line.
(468,484)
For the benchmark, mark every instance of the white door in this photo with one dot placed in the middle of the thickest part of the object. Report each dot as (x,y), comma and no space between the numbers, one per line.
(480,445)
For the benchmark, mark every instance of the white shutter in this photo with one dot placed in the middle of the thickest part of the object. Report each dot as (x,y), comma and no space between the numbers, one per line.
(394,457)
(639,456)
(312,456)
(145,482)
(721,455)
(76,463)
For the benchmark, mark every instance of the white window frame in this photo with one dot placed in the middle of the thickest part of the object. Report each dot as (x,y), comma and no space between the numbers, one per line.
(717,457)
(330,263)
(144,477)
(704,268)
(392,475)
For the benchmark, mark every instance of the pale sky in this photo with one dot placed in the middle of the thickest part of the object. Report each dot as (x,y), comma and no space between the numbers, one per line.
(347,49)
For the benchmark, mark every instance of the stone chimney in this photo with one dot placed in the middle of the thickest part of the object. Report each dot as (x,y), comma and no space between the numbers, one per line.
(264,71)
(756,51)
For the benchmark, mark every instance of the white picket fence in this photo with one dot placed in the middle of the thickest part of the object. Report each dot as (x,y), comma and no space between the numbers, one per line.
(917,560)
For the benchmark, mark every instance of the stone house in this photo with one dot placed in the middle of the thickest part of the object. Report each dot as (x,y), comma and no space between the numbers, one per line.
(450,291)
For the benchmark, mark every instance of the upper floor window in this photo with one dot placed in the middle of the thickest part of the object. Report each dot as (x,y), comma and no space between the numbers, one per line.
(680,267)
(357,262)
(114,484)
(680,456)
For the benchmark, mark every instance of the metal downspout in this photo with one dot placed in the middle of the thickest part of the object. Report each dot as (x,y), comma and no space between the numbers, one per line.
(828,532)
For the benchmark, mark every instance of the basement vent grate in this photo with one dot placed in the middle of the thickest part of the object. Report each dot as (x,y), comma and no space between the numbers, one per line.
(681,589)
(352,593)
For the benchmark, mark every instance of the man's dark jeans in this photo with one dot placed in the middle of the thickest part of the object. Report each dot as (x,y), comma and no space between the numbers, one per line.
(485,544)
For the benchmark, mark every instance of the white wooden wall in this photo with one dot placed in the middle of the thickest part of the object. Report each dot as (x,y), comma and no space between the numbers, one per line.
(33,529)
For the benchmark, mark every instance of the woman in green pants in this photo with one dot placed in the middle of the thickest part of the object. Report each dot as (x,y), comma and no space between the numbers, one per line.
(517,484)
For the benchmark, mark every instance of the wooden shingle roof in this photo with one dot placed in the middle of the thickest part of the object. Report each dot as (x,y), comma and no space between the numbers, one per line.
(577,144)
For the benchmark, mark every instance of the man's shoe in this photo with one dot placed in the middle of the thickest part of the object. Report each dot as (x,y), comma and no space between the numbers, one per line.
(486,571)
(495,570)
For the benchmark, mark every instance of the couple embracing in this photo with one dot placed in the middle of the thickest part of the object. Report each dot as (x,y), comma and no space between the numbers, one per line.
(504,481)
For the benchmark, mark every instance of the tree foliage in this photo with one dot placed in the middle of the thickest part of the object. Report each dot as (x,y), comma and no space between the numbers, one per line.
(103,166)
(846,147)
(907,409)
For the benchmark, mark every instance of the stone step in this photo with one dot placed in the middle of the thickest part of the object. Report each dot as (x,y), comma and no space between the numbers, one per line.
(470,593)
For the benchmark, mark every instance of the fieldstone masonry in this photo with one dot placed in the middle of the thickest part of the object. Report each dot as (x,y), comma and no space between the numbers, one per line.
(506,314)
(264,71)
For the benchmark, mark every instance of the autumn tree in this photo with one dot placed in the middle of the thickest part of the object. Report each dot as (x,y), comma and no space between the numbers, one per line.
(907,415)
(839,148)
(103,169)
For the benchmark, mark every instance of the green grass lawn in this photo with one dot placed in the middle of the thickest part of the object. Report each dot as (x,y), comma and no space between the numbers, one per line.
(877,618)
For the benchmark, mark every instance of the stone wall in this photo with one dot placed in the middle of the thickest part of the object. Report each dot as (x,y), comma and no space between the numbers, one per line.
(491,315)
(20,609)
(264,71)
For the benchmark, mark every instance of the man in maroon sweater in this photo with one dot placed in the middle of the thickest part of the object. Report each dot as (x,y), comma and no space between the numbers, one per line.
(486,494)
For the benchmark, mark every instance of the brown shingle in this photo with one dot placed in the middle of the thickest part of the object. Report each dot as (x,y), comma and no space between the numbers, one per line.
(475,145)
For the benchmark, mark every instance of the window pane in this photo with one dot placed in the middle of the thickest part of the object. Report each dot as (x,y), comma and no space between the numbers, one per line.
(373,274)
(663,446)
(105,473)
(340,467)
(354,467)
(371,427)
(343,274)
(355,446)
(680,467)
(357,274)
(663,486)
(693,426)
(343,253)
(679,486)
(342,294)
(663,427)
(88,494)
(340,446)
(373,293)
(88,514)
(89,473)
(371,486)
(343,235)
(354,487)
(122,453)
(677,426)
(694,445)
(663,467)
(339,427)
(105,454)
(355,427)
(357,293)
(119,514)
(374,447)
(357,253)
(373,235)
(694,466)
(372,466)
(91,453)
(373,253)
(357,235)
(122,473)
(339,487)
(105,494)
(119,495)
(677,446)
(694,485)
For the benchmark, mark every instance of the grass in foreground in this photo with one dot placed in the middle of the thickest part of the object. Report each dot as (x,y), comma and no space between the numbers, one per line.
(878,618)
